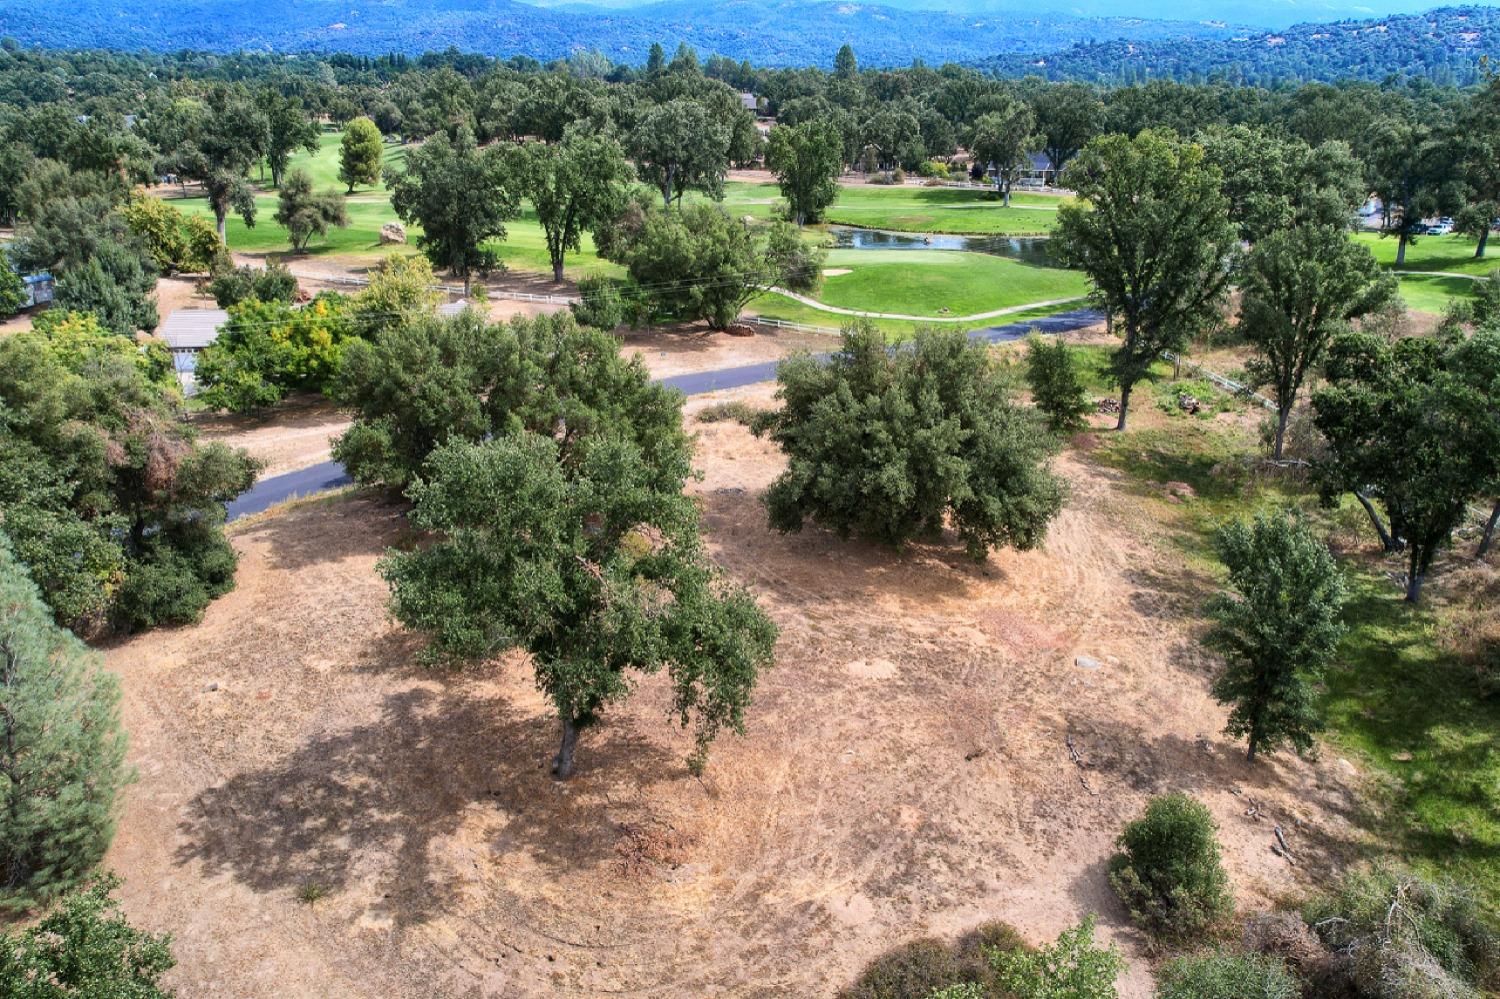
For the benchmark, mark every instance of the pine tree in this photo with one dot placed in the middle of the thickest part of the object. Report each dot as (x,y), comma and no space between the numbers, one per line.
(61,749)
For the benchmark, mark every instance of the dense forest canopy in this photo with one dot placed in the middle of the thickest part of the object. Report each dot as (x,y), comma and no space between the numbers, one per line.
(1184,43)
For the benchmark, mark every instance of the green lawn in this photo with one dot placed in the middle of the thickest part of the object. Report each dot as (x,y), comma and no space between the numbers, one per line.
(1431,293)
(924,283)
(524,249)
(1434,253)
(943,209)
(323,166)
(1397,703)
(780,307)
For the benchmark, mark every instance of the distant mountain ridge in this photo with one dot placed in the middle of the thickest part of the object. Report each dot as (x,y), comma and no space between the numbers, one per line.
(767,32)
(1445,45)
(1252,13)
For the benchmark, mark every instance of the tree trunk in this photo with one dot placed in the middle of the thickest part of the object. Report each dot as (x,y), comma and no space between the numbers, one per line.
(1489,532)
(1283,414)
(562,764)
(1414,576)
(557,270)
(1386,541)
(1484,239)
(219,226)
(1007,195)
(1250,753)
(1401,250)
(1124,406)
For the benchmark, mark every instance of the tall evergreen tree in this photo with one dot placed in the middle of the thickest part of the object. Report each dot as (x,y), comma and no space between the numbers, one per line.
(62,754)
(360,152)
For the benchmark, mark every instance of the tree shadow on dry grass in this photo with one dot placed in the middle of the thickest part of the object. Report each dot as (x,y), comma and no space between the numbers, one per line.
(368,804)
(319,530)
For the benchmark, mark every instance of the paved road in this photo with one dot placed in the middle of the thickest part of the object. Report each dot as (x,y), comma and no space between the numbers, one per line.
(330,474)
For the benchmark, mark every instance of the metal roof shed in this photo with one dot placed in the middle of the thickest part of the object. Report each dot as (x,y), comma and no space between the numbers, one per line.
(192,329)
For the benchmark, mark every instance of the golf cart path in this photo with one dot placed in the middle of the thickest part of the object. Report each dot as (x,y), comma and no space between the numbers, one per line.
(328,475)
(1011,310)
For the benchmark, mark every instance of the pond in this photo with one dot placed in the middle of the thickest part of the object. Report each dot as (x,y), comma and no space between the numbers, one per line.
(1026,249)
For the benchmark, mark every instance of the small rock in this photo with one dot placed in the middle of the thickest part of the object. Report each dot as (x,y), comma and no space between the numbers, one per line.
(1086,662)
(392,232)
(209,688)
(740,329)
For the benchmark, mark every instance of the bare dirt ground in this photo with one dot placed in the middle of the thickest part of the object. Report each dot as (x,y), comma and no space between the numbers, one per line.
(296,433)
(317,815)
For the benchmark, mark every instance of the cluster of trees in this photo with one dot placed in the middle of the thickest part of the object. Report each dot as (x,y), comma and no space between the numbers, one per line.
(110,503)
(1409,425)
(894,445)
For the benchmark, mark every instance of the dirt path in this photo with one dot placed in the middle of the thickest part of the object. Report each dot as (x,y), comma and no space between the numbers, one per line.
(904,771)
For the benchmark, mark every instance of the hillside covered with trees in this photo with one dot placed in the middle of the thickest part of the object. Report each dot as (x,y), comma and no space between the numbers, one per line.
(770,32)
(1443,45)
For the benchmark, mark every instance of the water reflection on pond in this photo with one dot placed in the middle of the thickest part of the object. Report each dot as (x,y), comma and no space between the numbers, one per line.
(1027,249)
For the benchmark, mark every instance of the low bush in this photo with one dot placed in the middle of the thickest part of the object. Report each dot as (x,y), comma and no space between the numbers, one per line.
(736,410)
(1223,975)
(1168,872)
(1071,968)
(600,304)
(1395,934)
(233,285)
(927,967)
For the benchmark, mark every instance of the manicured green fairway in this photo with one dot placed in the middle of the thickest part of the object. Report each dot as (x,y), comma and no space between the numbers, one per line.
(910,209)
(780,307)
(1432,293)
(525,248)
(1434,253)
(323,166)
(943,209)
(924,283)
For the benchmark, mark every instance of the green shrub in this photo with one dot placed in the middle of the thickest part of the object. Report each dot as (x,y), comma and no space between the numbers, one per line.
(927,967)
(1071,968)
(1056,386)
(273,283)
(737,410)
(1398,935)
(893,444)
(600,304)
(1226,976)
(968,990)
(268,350)
(61,749)
(84,949)
(1168,871)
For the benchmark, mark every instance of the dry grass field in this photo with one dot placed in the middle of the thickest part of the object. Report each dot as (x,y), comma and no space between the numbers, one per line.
(318,815)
